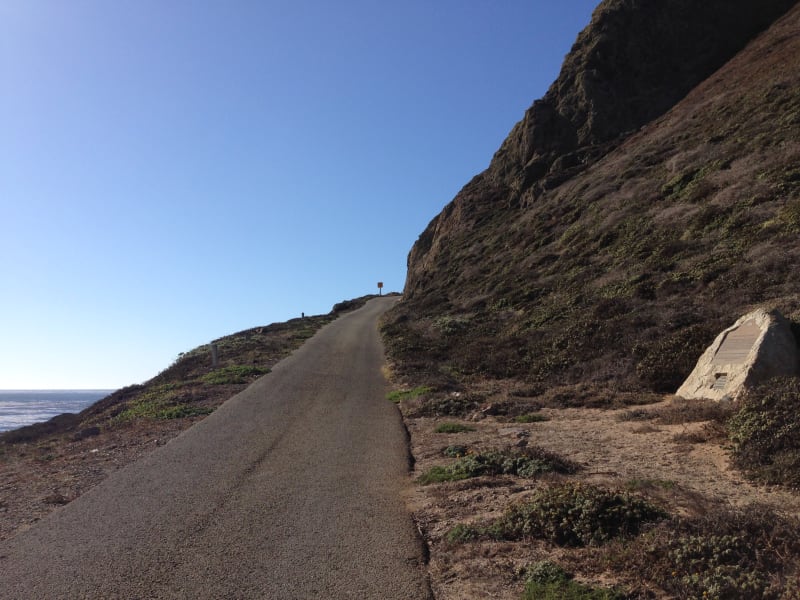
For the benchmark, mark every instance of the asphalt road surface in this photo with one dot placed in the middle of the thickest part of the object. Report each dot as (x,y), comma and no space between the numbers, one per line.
(291,489)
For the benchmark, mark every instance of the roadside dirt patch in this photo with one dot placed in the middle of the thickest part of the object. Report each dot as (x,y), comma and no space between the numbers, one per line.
(38,477)
(680,466)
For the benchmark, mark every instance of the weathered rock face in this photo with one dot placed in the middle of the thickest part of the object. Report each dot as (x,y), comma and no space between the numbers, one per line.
(634,61)
(760,345)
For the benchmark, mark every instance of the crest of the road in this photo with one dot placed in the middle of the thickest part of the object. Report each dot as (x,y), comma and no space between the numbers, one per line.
(291,489)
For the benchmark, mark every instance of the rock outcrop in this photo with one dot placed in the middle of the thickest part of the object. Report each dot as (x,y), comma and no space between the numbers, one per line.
(635,61)
(759,346)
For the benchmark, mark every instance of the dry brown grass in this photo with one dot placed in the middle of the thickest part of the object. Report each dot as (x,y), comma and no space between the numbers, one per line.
(670,453)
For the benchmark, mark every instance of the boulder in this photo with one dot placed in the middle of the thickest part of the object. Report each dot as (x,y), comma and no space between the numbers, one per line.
(760,345)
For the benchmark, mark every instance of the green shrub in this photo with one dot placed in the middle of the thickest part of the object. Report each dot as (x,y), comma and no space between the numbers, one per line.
(548,581)
(233,374)
(728,554)
(455,451)
(462,533)
(568,590)
(439,474)
(182,411)
(528,463)
(452,405)
(765,432)
(397,395)
(577,515)
(546,572)
(453,428)
(710,565)
(450,325)
(155,410)
(530,418)
(466,467)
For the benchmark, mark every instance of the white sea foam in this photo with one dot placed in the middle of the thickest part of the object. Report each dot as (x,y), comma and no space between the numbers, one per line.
(25,407)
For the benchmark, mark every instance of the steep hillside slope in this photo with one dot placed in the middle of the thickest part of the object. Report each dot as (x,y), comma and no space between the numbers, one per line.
(649,199)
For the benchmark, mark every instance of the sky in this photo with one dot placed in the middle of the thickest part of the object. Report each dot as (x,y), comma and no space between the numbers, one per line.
(172,172)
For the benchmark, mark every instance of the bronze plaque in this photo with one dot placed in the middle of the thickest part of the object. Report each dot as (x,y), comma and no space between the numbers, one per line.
(737,344)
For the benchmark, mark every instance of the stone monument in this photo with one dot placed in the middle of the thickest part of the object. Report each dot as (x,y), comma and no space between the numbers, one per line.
(760,345)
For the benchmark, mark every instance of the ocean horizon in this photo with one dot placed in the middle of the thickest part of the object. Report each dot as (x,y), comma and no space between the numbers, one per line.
(19,408)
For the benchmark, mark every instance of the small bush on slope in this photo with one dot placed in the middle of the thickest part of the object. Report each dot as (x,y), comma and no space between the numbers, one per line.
(766,432)
(577,515)
(730,554)
(548,581)
(568,515)
(526,463)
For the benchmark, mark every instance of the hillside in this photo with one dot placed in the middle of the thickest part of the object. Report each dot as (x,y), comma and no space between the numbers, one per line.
(553,307)
(646,202)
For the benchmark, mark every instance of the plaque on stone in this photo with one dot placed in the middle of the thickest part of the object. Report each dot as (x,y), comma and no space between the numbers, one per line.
(737,344)
(760,345)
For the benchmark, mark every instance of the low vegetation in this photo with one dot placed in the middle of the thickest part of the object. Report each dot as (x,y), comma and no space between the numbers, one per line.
(529,462)
(765,433)
(152,410)
(576,515)
(571,515)
(530,418)
(453,428)
(398,396)
(545,580)
(728,554)
(448,405)
(455,451)
(632,534)
(234,374)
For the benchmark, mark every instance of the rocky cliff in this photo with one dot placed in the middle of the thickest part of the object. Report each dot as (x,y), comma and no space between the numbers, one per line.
(652,195)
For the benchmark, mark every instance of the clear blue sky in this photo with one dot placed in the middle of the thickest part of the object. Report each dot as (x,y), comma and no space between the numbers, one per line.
(175,171)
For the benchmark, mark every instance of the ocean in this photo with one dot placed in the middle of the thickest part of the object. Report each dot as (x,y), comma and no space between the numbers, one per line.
(25,407)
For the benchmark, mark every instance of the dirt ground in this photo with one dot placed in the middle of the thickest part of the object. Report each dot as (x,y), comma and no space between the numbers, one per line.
(36,478)
(683,466)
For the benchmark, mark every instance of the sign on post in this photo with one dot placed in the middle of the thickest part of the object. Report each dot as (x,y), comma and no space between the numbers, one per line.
(214,355)
(380,288)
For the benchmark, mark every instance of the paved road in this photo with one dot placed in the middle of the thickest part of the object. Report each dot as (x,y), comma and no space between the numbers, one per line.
(291,489)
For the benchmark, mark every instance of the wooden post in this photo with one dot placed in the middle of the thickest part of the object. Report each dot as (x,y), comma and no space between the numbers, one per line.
(214,355)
